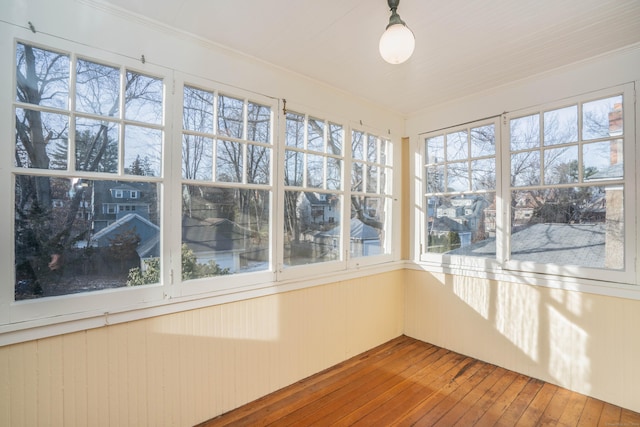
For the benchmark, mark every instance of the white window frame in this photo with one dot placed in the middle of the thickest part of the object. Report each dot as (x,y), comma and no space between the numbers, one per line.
(295,272)
(63,308)
(467,262)
(603,280)
(28,319)
(237,281)
(388,195)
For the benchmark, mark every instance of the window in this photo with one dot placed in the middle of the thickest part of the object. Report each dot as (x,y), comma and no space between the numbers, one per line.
(370,195)
(227,151)
(567,185)
(108,207)
(313,193)
(75,142)
(563,190)
(461,182)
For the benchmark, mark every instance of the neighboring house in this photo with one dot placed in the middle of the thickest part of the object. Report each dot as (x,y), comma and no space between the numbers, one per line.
(113,200)
(145,230)
(216,239)
(364,239)
(463,215)
(317,209)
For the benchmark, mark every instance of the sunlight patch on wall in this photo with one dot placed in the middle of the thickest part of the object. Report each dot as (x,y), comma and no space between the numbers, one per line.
(568,359)
(517,316)
(473,292)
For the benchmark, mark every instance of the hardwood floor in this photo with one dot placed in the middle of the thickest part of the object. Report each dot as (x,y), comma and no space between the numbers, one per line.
(408,382)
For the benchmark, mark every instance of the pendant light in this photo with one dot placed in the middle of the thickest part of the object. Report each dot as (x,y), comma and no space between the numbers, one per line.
(397,42)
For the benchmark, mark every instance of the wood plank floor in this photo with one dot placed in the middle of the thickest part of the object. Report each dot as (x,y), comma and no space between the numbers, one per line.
(408,382)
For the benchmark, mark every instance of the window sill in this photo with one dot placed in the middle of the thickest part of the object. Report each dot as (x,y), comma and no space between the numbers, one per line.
(17,332)
(578,284)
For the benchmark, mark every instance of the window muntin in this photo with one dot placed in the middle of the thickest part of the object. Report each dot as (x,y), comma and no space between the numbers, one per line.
(69,236)
(313,162)
(371,172)
(226,192)
(567,186)
(461,184)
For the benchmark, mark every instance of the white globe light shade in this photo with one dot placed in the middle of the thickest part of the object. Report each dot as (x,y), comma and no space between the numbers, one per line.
(397,44)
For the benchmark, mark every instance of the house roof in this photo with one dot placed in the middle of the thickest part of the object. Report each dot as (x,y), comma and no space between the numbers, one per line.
(213,234)
(358,231)
(564,244)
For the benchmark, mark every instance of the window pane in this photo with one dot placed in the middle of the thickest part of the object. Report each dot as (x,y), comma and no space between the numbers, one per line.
(602,118)
(312,227)
(224,231)
(258,164)
(561,126)
(336,139)
(357,177)
(581,226)
(435,149)
(97,89)
(366,233)
(435,179)
(357,145)
(96,145)
(293,168)
(462,225)
(603,160)
(230,116)
(372,148)
(229,162)
(41,139)
(197,110)
(525,168)
(458,176)
(384,146)
(334,173)
(258,122)
(142,151)
(316,135)
(525,132)
(74,235)
(483,174)
(295,130)
(483,141)
(457,146)
(561,165)
(315,171)
(372,179)
(143,98)
(197,157)
(48,84)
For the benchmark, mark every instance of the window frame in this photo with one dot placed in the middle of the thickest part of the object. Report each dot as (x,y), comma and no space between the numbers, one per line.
(233,282)
(41,317)
(508,269)
(460,261)
(388,195)
(56,309)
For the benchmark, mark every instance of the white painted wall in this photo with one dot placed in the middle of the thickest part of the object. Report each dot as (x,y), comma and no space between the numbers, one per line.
(584,342)
(184,368)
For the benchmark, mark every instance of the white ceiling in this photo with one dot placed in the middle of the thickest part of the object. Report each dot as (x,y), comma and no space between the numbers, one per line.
(462,46)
